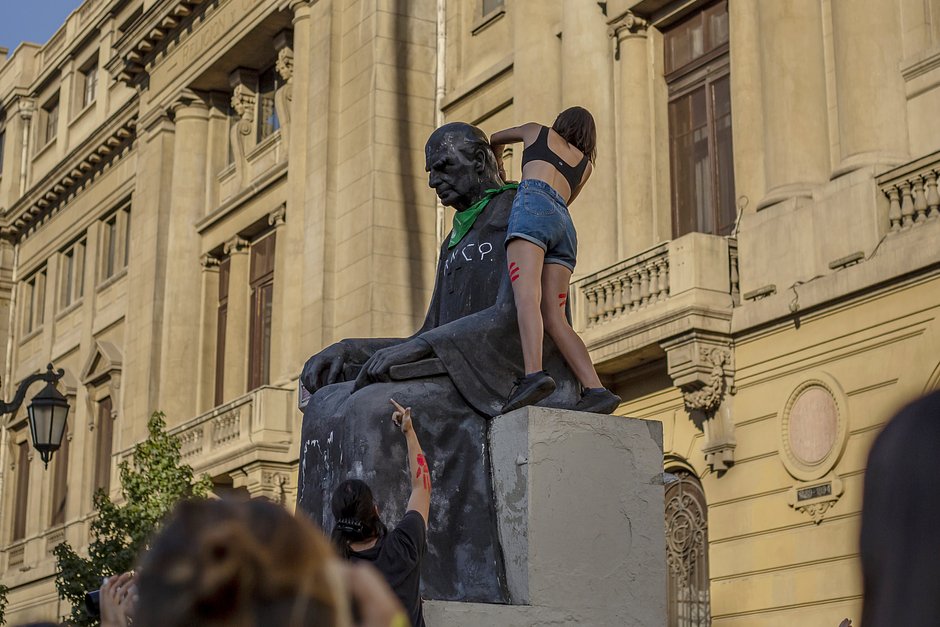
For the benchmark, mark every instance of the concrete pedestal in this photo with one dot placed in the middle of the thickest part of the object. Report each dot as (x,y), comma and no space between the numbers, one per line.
(580,512)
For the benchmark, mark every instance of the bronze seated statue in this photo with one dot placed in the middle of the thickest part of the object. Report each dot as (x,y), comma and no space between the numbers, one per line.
(455,372)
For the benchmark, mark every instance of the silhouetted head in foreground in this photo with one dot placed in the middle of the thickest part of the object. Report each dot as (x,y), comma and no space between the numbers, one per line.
(245,563)
(900,540)
(356,514)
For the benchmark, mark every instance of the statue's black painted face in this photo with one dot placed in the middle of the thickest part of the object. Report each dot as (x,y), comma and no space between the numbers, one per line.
(460,164)
(452,172)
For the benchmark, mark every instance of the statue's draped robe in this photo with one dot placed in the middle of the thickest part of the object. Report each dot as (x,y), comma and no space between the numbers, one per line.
(471,327)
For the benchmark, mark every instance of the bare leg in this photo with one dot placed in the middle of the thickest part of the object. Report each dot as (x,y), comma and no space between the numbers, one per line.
(555,280)
(525,269)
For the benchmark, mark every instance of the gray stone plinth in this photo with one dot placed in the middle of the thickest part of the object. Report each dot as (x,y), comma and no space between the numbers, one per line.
(580,509)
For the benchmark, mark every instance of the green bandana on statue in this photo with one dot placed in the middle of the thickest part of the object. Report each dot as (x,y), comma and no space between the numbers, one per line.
(463,220)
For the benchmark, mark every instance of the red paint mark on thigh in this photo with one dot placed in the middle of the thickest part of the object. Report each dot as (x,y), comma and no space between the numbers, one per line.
(563,298)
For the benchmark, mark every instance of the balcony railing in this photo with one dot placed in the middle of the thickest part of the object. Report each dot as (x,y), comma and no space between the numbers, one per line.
(912,193)
(253,425)
(648,279)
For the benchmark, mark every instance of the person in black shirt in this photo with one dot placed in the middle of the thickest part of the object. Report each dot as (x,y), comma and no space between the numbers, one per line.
(361,535)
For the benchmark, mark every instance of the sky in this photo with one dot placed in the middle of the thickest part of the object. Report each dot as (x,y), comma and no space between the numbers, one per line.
(32,20)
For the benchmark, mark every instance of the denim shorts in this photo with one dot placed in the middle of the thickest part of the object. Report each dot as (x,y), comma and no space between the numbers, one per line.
(540,215)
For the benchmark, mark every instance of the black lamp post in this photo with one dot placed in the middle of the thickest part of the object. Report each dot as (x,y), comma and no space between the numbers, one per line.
(47,412)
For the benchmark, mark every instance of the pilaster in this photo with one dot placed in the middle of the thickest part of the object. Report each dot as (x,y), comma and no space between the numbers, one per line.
(236,336)
(146,284)
(208,330)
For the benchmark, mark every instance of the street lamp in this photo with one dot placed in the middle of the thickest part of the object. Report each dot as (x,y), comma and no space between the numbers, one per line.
(47,412)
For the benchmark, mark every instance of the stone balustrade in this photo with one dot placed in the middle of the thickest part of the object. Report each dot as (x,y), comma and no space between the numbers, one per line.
(636,283)
(259,422)
(912,194)
(627,286)
(686,285)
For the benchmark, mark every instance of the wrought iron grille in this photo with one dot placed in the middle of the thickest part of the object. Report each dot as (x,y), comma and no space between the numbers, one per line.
(689,604)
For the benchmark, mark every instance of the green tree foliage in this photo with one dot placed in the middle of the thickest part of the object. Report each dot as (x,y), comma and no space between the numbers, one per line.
(150,486)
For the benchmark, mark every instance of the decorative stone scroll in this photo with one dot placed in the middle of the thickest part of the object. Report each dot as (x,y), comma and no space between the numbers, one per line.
(627,25)
(244,97)
(284,44)
(701,365)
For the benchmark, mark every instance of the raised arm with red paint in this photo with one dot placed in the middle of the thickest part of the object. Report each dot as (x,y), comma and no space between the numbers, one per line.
(420,500)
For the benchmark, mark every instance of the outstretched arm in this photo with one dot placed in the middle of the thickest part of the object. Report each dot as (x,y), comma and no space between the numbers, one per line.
(420,500)
(525,133)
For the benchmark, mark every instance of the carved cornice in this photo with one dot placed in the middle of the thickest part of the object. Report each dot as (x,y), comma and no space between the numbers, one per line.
(160,24)
(73,174)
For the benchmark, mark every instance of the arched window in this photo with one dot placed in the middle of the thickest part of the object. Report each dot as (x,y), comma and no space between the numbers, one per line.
(689,603)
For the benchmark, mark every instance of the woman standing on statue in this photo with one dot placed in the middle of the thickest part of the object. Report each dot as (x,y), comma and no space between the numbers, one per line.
(541,250)
(360,534)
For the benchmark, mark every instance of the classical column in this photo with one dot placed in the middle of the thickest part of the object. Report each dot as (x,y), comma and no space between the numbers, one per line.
(793,70)
(236,324)
(181,316)
(747,116)
(208,331)
(869,88)
(217,151)
(586,79)
(634,142)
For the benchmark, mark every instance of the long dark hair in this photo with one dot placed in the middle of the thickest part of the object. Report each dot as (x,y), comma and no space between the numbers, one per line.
(356,516)
(900,514)
(576,125)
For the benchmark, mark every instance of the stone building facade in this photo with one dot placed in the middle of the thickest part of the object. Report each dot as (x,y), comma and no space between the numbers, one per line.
(196,195)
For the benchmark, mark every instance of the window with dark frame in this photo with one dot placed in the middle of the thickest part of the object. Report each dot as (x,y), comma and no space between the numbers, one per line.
(71,274)
(268,84)
(50,120)
(60,485)
(21,497)
(104,426)
(89,83)
(697,73)
(34,301)
(115,243)
(221,321)
(261,283)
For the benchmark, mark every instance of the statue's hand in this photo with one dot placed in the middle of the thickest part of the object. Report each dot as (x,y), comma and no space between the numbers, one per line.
(324,368)
(376,369)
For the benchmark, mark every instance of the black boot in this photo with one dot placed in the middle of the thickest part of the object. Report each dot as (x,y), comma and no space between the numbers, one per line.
(529,390)
(598,401)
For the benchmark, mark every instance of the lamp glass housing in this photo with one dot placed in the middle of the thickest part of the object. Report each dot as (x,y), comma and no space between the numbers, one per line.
(48,413)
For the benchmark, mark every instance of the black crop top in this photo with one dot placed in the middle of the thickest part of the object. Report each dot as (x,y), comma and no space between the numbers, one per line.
(539,151)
